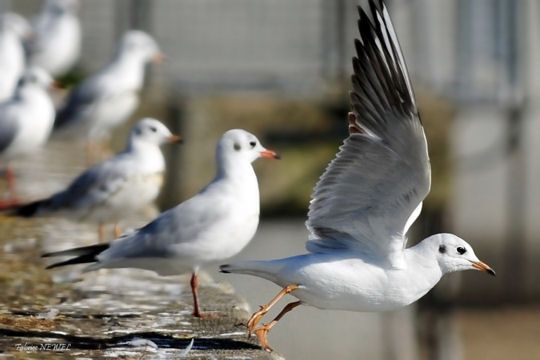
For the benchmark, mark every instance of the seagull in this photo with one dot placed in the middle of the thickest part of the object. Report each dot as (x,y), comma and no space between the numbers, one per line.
(215,224)
(114,189)
(26,121)
(108,98)
(13,30)
(55,44)
(366,200)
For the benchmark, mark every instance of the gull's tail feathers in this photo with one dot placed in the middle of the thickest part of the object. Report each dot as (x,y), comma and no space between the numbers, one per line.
(82,255)
(263,269)
(28,210)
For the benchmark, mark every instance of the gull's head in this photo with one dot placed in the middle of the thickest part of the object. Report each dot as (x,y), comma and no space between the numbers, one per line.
(61,7)
(15,24)
(35,77)
(136,43)
(241,146)
(455,254)
(152,132)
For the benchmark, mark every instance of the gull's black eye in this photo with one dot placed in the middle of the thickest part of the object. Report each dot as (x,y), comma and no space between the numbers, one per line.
(461,250)
(442,249)
(153,129)
(252,144)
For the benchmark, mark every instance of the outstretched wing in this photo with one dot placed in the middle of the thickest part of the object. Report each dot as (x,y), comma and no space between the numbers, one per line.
(373,190)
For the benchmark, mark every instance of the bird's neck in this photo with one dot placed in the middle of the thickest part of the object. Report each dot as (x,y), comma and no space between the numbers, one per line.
(423,267)
(129,69)
(235,171)
(147,154)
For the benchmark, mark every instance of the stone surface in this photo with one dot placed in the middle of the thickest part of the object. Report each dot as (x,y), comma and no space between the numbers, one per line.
(105,314)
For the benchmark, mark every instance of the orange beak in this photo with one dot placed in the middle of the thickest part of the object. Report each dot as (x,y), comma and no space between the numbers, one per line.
(269,154)
(175,139)
(481,266)
(158,58)
(56,85)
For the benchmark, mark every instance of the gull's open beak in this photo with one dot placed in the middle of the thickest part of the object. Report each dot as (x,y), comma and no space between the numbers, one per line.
(174,139)
(158,58)
(479,265)
(269,154)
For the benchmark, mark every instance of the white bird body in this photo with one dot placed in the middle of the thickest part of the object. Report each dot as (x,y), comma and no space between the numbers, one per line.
(26,120)
(209,227)
(215,224)
(343,281)
(108,98)
(13,28)
(367,199)
(56,42)
(116,188)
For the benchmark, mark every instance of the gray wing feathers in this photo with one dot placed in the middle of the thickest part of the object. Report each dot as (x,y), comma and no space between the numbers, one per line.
(8,131)
(92,187)
(381,173)
(78,101)
(170,234)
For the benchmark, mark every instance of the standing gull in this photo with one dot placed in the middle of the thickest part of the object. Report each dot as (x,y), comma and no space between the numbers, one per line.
(116,188)
(107,99)
(366,200)
(215,224)
(55,44)
(26,121)
(13,30)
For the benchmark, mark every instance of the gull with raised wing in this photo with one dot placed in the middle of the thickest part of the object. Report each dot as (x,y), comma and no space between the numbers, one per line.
(116,188)
(26,121)
(55,44)
(214,225)
(366,200)
(107,99)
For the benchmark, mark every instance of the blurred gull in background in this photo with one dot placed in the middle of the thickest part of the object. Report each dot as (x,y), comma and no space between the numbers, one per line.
(26,121)
(215,224)
(107,99)
(55,44)
(13,30)
(366,201)
(116,188)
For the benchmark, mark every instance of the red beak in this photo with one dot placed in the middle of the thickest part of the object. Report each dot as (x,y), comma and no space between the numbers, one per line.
(269,154)
(175,139)
(158,58)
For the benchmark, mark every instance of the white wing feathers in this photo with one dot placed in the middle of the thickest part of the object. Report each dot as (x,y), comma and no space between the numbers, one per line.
(372,191)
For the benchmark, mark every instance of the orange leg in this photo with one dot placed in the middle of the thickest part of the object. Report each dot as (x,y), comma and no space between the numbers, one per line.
(262,332)
(195,291)
(11,182)
(12,199)
(257,316)
(101,233)
(117,231)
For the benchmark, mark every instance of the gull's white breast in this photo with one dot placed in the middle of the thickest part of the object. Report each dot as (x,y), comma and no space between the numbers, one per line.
(344,282)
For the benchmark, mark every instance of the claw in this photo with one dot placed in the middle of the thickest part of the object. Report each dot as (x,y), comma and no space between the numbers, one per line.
(262,333)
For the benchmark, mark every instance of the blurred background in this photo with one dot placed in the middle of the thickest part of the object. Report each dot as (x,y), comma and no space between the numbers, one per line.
(280,68)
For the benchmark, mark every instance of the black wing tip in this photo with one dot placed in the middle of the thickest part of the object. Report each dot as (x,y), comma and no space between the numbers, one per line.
(28,210)
(82,255)
(224,269)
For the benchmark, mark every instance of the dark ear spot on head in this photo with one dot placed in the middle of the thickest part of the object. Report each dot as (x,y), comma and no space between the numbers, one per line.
(442,249)
(237,147)
(138,131)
